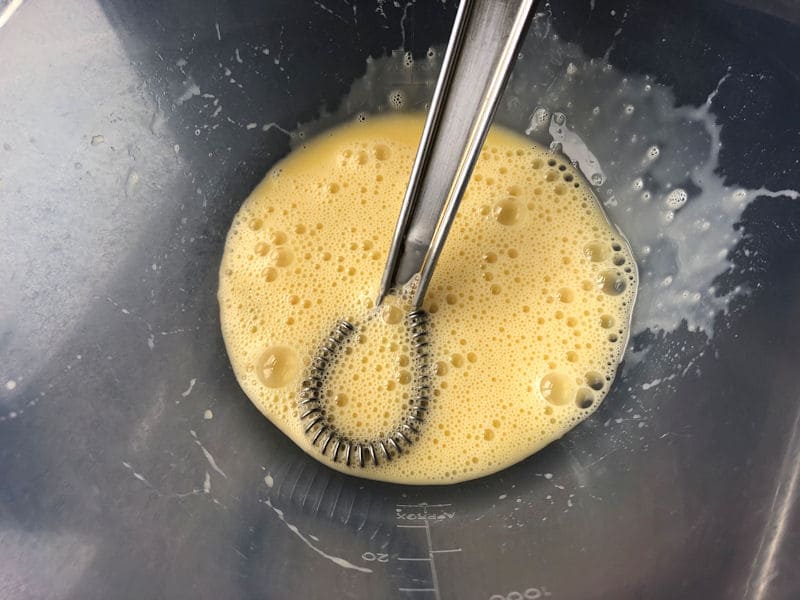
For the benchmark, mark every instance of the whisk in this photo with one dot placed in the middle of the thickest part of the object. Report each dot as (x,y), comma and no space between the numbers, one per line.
(481,51)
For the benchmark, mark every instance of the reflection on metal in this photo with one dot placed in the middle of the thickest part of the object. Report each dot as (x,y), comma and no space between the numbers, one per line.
(7,9)
(482,49)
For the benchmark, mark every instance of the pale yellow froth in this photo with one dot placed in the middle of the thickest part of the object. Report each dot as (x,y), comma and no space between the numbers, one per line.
(530,301)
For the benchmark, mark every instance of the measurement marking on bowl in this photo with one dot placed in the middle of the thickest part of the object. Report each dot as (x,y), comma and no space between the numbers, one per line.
(422,512)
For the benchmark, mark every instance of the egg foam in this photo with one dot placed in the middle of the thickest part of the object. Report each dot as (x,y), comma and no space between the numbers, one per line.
(530,303)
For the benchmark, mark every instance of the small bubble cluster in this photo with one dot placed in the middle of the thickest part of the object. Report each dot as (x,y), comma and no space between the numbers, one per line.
(397,99)
(529,306)
(676,199)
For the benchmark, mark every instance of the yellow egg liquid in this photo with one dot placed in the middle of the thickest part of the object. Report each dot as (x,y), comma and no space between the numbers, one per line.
(529,305)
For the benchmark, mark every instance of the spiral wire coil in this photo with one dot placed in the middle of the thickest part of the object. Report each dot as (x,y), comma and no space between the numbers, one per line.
(358,452)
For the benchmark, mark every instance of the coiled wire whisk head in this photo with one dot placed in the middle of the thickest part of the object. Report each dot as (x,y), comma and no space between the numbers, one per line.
(356,452)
